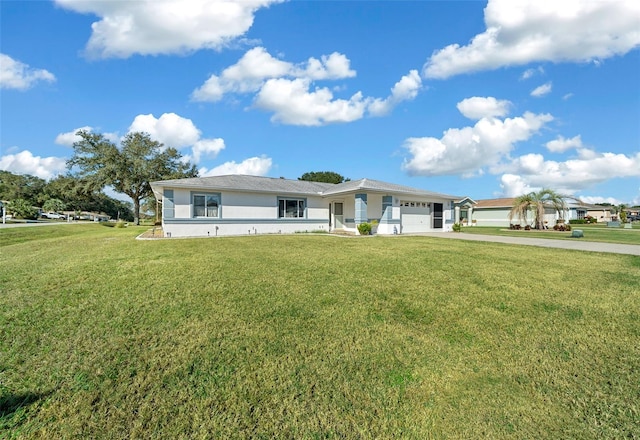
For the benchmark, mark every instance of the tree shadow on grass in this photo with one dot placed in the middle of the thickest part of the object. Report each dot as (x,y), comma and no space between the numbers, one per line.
(13,407)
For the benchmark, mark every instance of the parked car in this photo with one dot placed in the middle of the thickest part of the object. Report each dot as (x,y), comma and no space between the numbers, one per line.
(53,215)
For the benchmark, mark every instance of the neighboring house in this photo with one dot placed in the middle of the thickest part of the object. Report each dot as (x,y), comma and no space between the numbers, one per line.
(579,211)
(492,212)
(495,212)
(240,205)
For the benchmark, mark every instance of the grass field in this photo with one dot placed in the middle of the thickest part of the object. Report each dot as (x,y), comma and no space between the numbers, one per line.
(593,232)
(313,337)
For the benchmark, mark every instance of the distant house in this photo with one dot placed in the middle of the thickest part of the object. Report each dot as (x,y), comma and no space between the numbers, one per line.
(240,205)
(495,212)
(578,211)
(492,212)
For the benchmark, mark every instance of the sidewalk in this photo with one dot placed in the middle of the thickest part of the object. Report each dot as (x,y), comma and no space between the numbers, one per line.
(577,244)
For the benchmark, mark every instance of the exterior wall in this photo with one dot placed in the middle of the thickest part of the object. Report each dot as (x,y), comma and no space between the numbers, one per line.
(500,217)
(492,216)
(603,215)
(243,214)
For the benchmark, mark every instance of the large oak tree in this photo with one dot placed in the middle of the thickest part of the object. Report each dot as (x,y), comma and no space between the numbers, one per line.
(130,168)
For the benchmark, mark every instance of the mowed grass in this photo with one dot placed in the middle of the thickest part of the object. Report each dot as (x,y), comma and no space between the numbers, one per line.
(311,337)
(593,232)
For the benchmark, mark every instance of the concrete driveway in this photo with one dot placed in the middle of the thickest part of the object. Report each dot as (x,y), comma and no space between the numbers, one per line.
(577,244)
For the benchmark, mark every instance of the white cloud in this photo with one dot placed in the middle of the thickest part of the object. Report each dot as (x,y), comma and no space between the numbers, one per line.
(285,88)
(570,176)
(598,199)
(254,166)
(514,186)
(405,89)
(532,72)
(542,90)
(207,148)
(561,144)
(150,27)
(293,103)
(175,131)
(567,96)
(468,150)
(334,66)
(169,129)
(480,107)
(25,162)
(526,31)
(70,137)
(19,76)
(257,66)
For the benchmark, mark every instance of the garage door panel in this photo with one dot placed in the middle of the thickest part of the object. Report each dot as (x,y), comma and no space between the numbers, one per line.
(415,220)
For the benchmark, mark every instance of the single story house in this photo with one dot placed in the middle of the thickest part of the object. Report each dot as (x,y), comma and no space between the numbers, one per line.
(495,212)
(491,212)
(241,205)
(579,211)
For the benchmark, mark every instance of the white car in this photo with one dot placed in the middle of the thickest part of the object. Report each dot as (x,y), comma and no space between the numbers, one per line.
(53,215)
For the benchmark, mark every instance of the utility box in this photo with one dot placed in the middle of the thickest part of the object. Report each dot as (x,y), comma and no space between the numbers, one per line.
(577,233)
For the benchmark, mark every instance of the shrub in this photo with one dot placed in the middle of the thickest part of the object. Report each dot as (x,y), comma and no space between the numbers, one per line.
(364,228)
(457,227)
(120,224)
(577,221)
(21,208)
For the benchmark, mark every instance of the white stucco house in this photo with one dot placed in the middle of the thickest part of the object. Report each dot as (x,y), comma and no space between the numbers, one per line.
(241,205)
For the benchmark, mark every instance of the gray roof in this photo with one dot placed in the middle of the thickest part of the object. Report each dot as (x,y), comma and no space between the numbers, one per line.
(239,182)
(382,187)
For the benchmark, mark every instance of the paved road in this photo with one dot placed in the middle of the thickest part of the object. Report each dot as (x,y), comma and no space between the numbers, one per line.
(25,224)
(577,244)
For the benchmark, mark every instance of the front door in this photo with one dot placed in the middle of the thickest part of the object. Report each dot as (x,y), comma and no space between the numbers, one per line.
(437,216)
(338,216)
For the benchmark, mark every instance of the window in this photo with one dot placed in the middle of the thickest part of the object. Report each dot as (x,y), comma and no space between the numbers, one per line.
(168,209)
(206,205)
(291,208)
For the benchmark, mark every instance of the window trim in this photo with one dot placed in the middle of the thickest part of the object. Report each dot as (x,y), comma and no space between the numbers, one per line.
(206,194)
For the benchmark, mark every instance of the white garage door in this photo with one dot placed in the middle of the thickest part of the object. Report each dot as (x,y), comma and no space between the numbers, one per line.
(415,220)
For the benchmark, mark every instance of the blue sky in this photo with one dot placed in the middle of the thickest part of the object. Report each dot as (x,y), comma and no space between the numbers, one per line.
(482,99)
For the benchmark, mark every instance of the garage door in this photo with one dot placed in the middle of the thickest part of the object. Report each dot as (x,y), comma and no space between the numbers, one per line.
(415,220)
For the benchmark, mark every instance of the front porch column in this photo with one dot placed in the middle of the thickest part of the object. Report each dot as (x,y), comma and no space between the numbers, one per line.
(457,215)
(361,209)
(470,216)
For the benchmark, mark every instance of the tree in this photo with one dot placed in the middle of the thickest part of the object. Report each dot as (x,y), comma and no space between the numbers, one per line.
(128,169)
(538,202)
(323,176)
(21,186)
(622,208)
(22,208)
(54,205)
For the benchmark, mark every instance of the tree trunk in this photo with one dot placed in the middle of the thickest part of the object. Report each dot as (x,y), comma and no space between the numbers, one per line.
(136,211)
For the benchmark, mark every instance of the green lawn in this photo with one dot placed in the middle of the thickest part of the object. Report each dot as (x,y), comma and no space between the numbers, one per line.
(593,232)
(313,337)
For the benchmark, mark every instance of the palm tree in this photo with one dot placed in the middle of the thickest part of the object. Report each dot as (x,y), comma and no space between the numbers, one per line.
(538,202)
